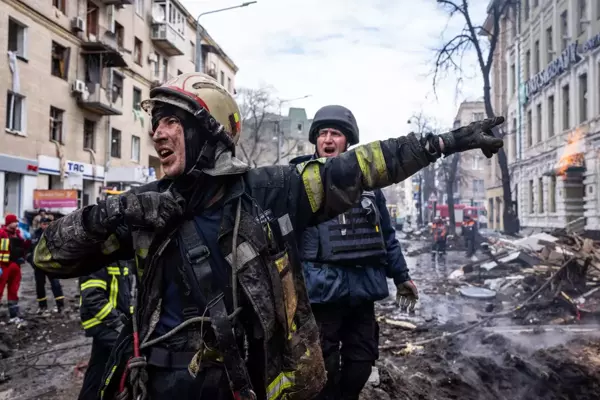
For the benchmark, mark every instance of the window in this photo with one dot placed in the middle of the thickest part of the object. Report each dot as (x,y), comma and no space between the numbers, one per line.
(165,69)
(583,98)
(17,38)
(552,194)
(179,72)
(60,5)
(193,52)
(513,78)
(60,61)
(137,99)
(531,198)
(513,140)
(478,116)
(598,9)
(551,113)
(476,164)
(120,35)
(538,117)
(137,51)
(15,112)
(299,127)
(536,57)
(89,134)
(526,9)
(177,19)
(527,65)
(564,30)
(222,78)
(582,16)
(541,195)
(549,44)
(135,148)
(92,20)
(565,107)
(139,8)
(478,186)
(513,24)
(229,85)
(529,135)
(56,124)
(115,143)
(157,65)
(117,89)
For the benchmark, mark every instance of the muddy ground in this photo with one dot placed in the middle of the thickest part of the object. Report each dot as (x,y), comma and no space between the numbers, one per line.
(45,359)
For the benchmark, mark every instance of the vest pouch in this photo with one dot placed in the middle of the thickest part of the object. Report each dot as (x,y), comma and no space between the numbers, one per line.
(290,298)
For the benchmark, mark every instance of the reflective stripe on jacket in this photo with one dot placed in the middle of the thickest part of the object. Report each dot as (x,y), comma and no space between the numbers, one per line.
(105,296)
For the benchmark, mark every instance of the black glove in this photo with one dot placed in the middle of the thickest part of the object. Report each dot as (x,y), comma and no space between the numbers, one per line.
(476,135)
(149,210)
(407,296)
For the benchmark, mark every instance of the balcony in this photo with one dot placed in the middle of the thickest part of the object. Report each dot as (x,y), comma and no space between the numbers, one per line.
(167,39)
(98,100)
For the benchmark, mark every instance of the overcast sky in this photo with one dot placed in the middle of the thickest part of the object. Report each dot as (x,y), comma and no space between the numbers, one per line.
(372,56)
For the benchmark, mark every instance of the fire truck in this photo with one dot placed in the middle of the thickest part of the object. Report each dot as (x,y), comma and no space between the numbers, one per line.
(478,214)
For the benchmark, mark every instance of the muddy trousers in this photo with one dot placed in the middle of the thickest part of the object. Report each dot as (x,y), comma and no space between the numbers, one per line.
(40,290)
(11,280)
(349,367)
(94,371)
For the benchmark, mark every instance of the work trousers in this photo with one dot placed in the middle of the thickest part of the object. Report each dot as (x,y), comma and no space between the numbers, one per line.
(93,374)
(349,367)
(11,279)
(40,289)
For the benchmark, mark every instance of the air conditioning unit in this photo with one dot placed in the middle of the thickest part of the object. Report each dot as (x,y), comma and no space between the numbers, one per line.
(78,24)
(79,87)
(152,58)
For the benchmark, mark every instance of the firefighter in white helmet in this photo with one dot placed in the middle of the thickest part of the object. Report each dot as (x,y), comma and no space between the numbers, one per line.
(222,309)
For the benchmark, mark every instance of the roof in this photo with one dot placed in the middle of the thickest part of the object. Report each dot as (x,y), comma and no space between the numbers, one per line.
(296,113)
(205,36)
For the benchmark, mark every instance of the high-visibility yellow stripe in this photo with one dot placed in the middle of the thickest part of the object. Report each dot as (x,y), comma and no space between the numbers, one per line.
(113,270)
(114,290)
(42,257)
(311,176)
(59,298)
(97,319)
(110,245)
(4,244)
(108,378)
(93,283)
(4,258)
(284,381)
(372,164)
(131,309)
(42,299)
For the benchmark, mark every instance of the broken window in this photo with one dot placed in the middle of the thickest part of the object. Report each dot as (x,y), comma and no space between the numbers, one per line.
(60,60)
(89,133)
(115,143)
(56,124)
(16,37)
(137,51)
(15,105)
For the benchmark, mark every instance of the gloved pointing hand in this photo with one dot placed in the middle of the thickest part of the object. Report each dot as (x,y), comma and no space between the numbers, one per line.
(150,210)
(407,296)
(476,135)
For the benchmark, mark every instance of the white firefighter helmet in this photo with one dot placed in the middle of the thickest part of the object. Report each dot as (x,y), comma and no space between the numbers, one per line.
(194,90)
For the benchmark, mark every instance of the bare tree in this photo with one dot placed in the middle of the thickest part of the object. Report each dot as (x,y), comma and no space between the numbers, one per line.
(425,125)
(482,40)
(450,172)
(261,125)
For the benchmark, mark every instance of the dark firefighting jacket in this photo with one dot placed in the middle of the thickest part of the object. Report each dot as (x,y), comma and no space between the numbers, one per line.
(283,338)
(105,299)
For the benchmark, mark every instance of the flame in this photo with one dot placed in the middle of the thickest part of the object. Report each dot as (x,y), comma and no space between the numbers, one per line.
(572,155)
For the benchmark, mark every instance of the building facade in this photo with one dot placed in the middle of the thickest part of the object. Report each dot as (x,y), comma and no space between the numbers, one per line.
(553,106)
(72,84)
(469,187)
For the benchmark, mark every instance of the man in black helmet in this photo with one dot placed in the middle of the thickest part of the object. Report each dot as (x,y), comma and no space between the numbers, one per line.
(346,261)
(222,308)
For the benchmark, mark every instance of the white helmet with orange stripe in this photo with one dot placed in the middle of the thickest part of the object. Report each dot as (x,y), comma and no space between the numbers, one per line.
(194,90)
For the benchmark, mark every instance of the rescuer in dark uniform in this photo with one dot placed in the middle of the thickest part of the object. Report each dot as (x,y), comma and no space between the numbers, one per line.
(223,311)
(346,261)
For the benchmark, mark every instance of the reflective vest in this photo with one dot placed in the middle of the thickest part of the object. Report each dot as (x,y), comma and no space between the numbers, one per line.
(4,250)
(354,237)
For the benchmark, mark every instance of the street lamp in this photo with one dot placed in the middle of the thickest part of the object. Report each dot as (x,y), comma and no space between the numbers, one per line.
(278,124)
(199,31)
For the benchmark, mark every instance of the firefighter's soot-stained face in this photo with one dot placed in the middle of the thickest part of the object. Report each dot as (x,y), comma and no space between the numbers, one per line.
(330,143)
(169,143)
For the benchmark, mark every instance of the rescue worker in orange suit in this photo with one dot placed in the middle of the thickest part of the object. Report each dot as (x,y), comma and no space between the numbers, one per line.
(222,310)
(40,276)
(12,253)
(346,261)
(105,307)
(470,233)
(440,232)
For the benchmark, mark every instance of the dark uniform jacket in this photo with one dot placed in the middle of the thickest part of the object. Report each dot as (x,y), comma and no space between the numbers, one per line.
(283,339)
(105,298)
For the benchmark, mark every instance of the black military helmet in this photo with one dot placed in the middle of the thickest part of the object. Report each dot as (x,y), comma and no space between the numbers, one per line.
(337,117)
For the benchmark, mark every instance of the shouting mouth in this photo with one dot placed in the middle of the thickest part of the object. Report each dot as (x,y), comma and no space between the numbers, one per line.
(329,150)
(165,155)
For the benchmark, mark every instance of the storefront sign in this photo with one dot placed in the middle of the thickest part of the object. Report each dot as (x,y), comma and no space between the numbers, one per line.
(570,56)
(51,166)
(18,165)
(54,198)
